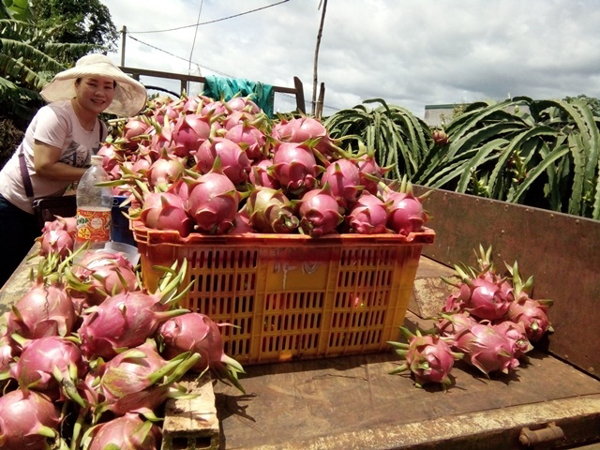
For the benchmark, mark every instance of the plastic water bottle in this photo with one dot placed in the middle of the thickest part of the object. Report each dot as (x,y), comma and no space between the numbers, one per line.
(94,204)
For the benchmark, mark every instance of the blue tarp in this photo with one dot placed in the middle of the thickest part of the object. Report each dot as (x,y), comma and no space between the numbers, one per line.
(226,88)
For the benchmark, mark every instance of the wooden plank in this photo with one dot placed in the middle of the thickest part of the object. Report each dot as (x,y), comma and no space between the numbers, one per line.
(307,404)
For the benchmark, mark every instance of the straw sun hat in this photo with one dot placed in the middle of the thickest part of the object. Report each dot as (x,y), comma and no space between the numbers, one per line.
(130,95)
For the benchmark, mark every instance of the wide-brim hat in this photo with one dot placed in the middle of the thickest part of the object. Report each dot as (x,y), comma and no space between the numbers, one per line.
(130,95)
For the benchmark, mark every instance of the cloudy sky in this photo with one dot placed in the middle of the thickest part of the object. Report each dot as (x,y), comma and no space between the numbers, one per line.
(410,52)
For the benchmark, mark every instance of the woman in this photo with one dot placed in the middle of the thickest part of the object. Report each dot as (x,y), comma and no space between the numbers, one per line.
(58,145)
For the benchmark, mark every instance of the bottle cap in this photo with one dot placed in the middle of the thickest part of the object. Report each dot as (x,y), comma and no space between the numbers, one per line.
(97,158)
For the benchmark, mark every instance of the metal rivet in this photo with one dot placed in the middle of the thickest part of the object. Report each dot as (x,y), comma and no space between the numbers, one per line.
(590,369)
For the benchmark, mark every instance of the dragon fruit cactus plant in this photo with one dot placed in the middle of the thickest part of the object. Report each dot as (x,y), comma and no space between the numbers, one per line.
(429,358)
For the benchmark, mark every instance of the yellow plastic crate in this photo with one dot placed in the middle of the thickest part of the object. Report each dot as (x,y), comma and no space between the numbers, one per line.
(293,296)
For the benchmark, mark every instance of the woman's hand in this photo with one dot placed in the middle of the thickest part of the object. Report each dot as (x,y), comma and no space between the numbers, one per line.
(47,164)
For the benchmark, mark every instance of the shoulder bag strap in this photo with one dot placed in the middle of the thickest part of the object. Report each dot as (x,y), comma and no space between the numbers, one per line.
(25,174)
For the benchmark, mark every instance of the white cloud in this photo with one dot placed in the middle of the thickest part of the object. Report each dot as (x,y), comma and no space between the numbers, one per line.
(411,53)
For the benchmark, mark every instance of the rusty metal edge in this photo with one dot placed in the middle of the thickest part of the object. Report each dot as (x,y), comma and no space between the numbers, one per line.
(560,250)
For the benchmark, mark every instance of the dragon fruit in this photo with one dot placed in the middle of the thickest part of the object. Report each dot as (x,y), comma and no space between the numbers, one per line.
(370,171)
(125,432)
(533,315)
(50,365)
(165,171)
(235,164)
(197,333)
(429,358)
(139,379)
(260,175)
(480,297)
(250,139)
(100,274)
(304,129)
(243,104)
(166,211)
(45,310)
(213,201)
(320,212)
(450,325)
(189,132)
(406,213)
(295,167)
(56,242)
(270,211)
(128,318)
(486,348)
(516,334)
(344,178)
(27,421)
(368,216)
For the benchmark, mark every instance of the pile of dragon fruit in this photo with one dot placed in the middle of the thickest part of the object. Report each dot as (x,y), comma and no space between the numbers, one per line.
(88,357)
(490,322)
(201,165)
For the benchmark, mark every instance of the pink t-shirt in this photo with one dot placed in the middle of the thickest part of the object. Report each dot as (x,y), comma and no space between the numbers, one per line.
(57,125)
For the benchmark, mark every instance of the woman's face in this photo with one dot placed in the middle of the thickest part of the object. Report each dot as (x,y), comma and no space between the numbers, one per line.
(95,93)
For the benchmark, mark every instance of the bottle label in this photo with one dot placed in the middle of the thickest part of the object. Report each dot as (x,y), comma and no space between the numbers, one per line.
(93,224)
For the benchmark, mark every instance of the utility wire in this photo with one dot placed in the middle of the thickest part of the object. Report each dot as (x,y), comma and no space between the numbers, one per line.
(213,21)
(195,34)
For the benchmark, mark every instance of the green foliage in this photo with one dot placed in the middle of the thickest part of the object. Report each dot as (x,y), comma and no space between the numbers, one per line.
(392,133)
(10,137)
(542,153)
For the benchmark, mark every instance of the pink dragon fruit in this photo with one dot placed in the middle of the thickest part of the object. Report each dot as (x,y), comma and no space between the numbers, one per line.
(243,104)
(234,161)
(486,349)
(370,171)
(303,129)
(515,332)
(128,318)
(295,167)
(533,315)
(189,132)
(45,310)
(241,222)
(260,175)
(429,358)
(250,139)
(344,178)
(100,274)
(213,201)
(368,216)
(135,132)
(320,212)
(452,324)
(139,379)
(27,421)
(50,365)
(480,297)
(56,242)
(166,211)
(125,432)
(270,211)
(197,333)
(165,171)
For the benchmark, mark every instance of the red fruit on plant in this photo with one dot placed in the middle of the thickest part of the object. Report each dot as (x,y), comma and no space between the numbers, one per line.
(27,421)
(439,137)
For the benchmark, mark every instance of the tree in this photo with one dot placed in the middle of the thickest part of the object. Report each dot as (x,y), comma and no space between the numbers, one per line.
(592,102)
(81,21)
